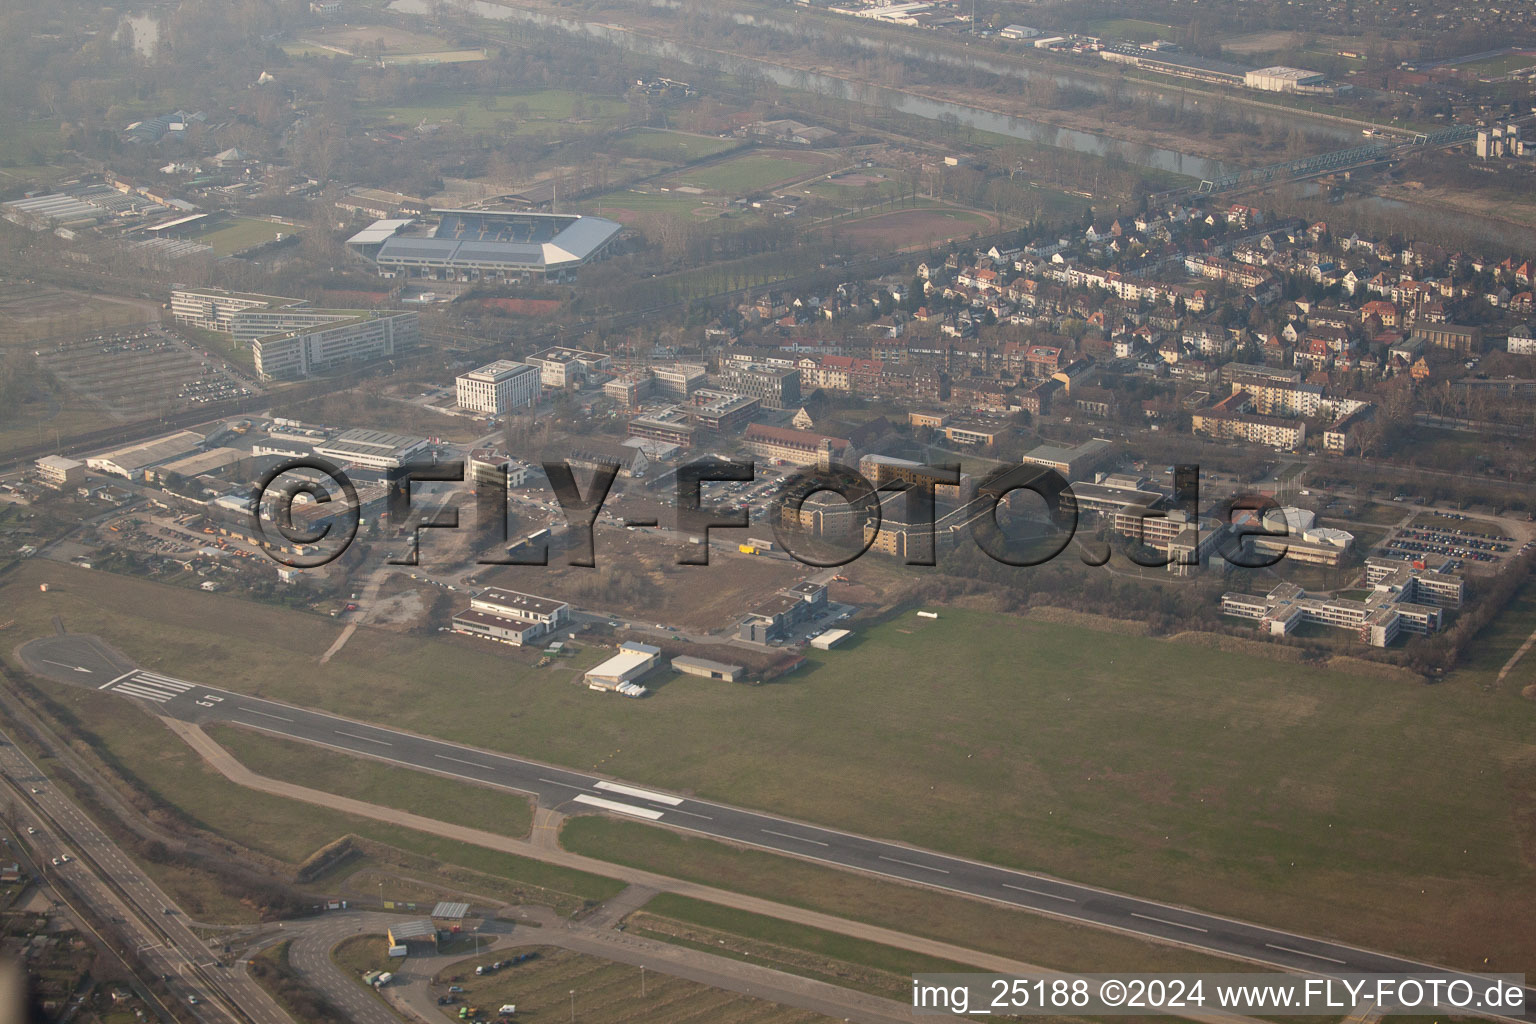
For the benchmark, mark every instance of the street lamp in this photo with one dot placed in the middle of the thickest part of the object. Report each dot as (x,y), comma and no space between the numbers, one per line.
(573,1006)
(642,981)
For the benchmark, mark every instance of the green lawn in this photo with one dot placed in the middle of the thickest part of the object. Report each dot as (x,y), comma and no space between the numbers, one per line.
(972,924)
(746,173)
(1131,28)
(560,983)
(1500,65)
(540,112)
(430,796)
(241,233)
(1237,785)
(678,147)
(810,952)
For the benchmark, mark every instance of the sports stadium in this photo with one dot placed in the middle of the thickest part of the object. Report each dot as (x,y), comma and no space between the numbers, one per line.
(486,245)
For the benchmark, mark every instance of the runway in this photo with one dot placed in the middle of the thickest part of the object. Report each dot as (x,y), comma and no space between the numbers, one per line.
(83,661)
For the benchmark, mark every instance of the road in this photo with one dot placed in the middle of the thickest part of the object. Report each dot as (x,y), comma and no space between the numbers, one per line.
(85,661)
(166,942)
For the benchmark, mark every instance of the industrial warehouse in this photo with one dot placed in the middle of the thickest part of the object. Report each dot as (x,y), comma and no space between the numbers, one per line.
(486,245)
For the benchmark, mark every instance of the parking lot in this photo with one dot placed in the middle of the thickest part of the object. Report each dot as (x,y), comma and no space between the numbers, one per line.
(1474,544)
(142,371)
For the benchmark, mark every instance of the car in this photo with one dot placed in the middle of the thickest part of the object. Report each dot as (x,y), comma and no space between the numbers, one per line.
(193,1000)
(55,862)
(65,858)
(31,831)
(455,989)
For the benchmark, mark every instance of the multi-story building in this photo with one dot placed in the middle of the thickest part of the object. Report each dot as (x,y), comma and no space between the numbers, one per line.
(301,353)
(213,309)
(775,387)
(629,388)
(59,472)
(562,368)
(1270,397)
(1071,461)
(801,447)
(679,381)
(1400,601)
(722,411)
(1284,434)
(498,387)
(511,617)
(671,425)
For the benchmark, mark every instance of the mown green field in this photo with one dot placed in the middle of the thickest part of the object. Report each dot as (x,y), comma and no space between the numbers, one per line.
(541,112)
(1232,783)
(747,173)
(242,233)
(678,147)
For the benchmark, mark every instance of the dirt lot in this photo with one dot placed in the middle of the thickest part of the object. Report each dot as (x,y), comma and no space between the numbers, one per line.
(32,311)
(908,228)
(638,570)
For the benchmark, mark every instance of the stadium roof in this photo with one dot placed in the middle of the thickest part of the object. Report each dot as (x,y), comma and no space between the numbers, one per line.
(380,231)
(576,242)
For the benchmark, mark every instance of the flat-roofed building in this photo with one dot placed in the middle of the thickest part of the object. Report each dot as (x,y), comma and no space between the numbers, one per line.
(722,411)
(498,388)
(679,380)
(707,669)
(1072,461)
(372,449)
(776,387)
(568,367)
(57,471)
(633,661)
(213,309)
(669,426)
(1462,339)
(771,618)
(511,617)
(629,388)
(360,339)
(1397,604)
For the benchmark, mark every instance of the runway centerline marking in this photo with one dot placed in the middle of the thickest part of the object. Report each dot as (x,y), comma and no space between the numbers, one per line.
(1039,892)
(1175,924)
(460,760)
(1302,952)
(786,835)
(264,714)
(365,739)
(913,864)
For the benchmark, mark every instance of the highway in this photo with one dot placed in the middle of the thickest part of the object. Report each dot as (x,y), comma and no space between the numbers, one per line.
(84,661)
(164,941)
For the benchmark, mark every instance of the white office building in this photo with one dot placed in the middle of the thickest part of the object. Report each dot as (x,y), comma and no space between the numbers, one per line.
(498,387)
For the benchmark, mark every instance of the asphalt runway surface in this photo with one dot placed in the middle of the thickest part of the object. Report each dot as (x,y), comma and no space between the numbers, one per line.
(86,661)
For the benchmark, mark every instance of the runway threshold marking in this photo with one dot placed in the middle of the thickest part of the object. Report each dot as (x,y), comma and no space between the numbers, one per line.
(365,739)
(635,791)
(614,805)
(913,864)
(119,679)
(1302,952)
(1175,924)
(786,835)
(1039,892)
